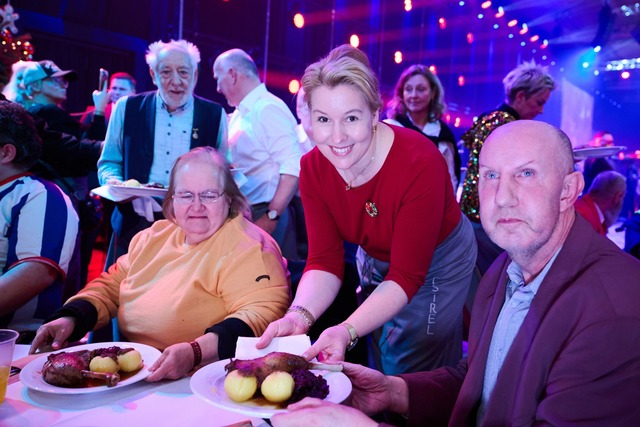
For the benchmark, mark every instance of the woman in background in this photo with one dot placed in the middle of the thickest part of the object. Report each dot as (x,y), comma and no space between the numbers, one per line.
(418,104)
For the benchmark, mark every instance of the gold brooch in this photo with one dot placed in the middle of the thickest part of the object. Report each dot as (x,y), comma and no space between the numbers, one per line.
(371,209)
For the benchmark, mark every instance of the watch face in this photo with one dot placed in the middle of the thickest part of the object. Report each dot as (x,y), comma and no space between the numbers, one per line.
(272,214)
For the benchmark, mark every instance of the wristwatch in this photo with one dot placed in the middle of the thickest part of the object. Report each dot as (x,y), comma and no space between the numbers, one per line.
(273,215)
(354,336)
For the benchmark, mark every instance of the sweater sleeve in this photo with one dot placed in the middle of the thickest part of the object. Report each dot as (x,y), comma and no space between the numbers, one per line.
(254,285)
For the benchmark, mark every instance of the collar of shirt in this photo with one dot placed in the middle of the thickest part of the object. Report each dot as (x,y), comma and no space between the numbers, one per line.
(164,107)
(251,98)
(516,278)
(600,214)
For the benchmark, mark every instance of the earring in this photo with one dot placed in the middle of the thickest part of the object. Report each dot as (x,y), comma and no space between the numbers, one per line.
(374,129)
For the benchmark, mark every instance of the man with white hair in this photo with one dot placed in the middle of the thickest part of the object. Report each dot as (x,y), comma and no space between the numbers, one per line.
(262,143)
(149,131)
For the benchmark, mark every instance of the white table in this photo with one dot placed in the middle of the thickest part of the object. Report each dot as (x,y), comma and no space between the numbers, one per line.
(168,403)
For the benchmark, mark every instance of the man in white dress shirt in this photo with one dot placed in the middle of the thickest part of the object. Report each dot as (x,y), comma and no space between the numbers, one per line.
(262,142)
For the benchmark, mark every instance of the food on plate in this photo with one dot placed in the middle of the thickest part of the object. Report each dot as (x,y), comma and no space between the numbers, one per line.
(240,388)
(307,384)
(275,361)
(71,369)
(104,364)
(131,183)
(277,387)
(130,360)
(281,377)
(153,185)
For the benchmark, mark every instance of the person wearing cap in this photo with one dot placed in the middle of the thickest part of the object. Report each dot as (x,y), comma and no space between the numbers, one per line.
(42,89)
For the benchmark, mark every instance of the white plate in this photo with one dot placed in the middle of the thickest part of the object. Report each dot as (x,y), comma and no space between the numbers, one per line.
(208,384)
(31,375)
(584,153)
(138,191)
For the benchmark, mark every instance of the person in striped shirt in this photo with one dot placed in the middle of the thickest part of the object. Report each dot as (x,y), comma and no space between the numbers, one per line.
(38,229)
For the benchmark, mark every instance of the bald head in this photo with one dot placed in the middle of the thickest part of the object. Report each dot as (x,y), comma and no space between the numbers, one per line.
(538,134)
(527,189)
(240,61)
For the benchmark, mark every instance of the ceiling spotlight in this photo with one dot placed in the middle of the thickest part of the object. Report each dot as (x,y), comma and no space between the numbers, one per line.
(625,75)
(500,13)
(486,5)
(534,39)
(597,49)
(513,23)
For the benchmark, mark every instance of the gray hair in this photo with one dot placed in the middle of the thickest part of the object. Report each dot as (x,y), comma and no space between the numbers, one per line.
(607,183)
(240,61)
(528,77)
(187,47)
(238,204)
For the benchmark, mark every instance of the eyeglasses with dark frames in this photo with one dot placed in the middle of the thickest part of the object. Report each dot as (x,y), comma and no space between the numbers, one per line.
(206,197)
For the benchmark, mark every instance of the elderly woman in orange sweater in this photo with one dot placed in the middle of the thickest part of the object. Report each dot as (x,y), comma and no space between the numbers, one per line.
(189,285)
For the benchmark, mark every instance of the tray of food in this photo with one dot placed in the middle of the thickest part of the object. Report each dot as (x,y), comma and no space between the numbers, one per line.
(264,386)
(130,189)
(90,368)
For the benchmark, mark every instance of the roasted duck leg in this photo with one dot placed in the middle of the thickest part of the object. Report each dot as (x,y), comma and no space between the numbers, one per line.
(276,361)
(69,369)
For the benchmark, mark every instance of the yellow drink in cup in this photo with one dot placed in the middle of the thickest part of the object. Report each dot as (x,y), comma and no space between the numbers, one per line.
(7,343)
(4,378)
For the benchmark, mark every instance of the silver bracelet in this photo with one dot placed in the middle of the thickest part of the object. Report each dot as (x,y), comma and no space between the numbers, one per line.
(306,314)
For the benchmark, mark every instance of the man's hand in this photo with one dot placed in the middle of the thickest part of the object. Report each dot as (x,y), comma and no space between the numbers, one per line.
(311,412)
(267,224)
(371,391)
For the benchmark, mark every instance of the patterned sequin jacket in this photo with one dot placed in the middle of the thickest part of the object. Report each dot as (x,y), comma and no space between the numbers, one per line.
(474,139)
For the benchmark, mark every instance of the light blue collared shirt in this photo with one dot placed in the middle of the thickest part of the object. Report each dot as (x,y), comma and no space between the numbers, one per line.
(514,310)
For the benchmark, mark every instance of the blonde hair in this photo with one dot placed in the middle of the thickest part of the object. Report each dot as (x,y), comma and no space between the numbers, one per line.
(528,77)
(345,65)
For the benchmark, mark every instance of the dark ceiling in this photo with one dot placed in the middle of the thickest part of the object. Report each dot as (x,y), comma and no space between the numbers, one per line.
(89,34)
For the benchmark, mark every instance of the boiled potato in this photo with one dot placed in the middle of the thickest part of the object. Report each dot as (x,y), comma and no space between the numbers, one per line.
(277,387)
(130,361)
(103,364)
(131,183)
(240,388)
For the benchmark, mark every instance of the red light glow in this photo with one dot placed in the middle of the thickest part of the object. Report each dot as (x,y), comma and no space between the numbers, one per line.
(486,5)
(294,86)
(443,23)
(469,38)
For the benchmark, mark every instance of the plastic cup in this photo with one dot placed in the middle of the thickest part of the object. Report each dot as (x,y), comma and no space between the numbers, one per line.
(7,343)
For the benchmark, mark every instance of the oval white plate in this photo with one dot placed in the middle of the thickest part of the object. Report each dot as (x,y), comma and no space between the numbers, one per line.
(208,384)
(31,375)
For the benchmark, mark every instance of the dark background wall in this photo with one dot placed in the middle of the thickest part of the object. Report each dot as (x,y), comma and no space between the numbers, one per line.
(86,35)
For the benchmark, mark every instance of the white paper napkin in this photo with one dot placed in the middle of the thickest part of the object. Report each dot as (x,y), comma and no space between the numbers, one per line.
(295,344)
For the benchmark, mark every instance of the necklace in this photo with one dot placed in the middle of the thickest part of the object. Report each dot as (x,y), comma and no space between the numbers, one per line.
(349,182)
